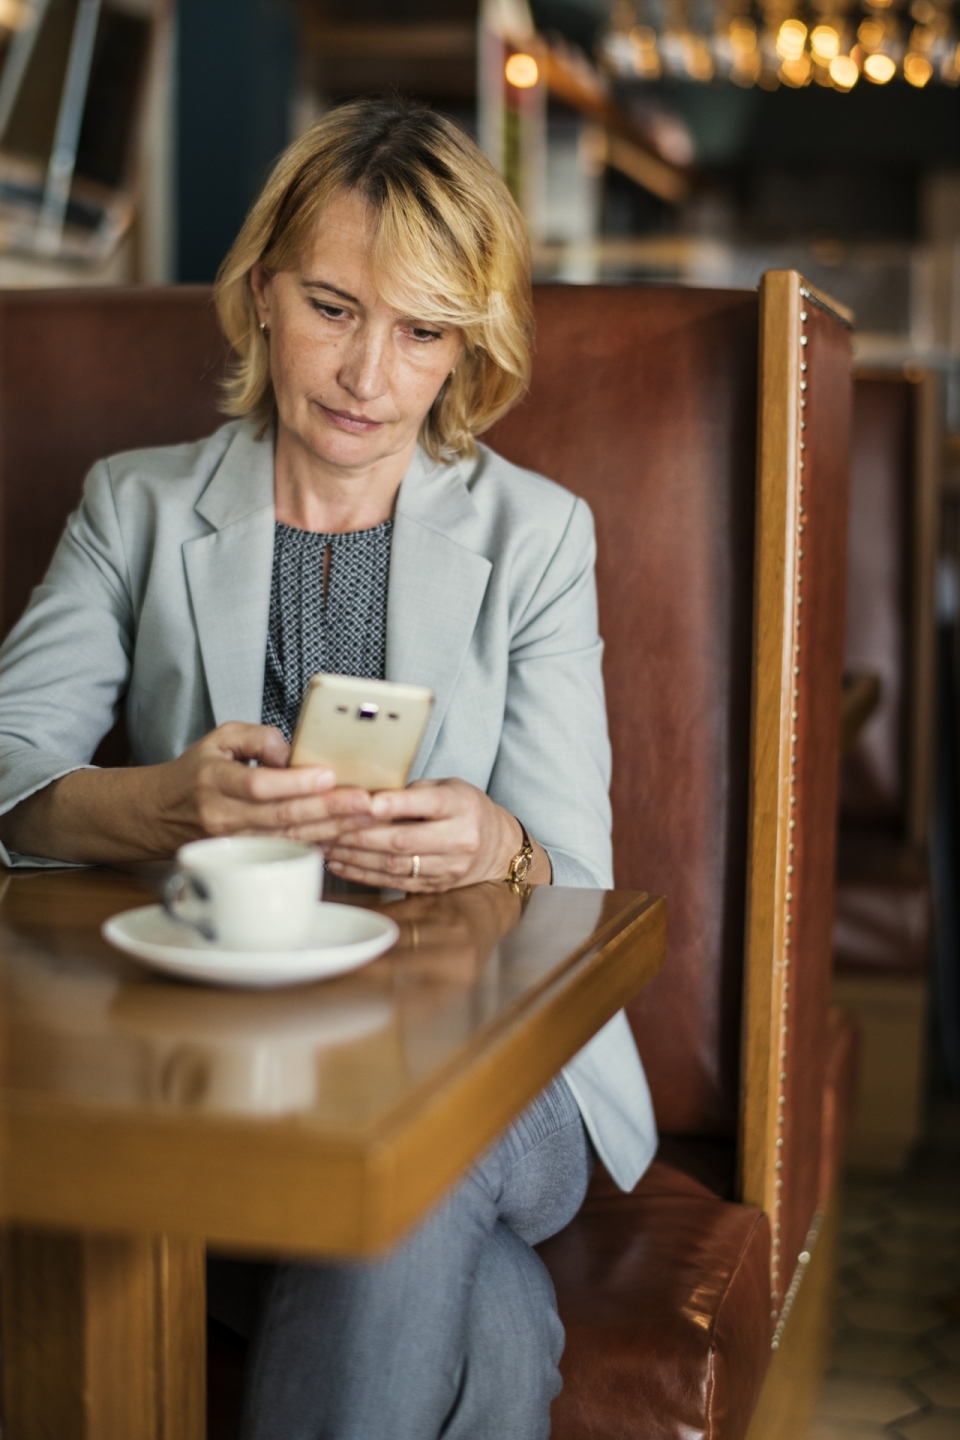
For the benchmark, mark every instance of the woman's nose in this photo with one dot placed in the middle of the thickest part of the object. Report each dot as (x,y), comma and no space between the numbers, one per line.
(364,371)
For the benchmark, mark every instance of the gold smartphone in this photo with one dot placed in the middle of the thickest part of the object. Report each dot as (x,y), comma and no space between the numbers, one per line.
(367,731)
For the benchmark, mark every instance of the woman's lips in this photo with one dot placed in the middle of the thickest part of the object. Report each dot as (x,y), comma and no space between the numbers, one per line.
(354,424)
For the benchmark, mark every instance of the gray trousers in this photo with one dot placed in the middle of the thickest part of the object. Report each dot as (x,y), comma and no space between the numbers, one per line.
(454,1333)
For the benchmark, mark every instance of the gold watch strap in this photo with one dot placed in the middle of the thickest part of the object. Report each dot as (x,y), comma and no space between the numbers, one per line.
(519,866)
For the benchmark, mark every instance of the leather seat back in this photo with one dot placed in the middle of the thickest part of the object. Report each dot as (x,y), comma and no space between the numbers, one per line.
(83,374)
(644,401)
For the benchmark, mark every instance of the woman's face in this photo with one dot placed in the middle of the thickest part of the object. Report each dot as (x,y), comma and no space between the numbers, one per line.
(353,378)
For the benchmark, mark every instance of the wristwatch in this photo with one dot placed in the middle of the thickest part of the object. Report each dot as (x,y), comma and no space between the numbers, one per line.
(519,866)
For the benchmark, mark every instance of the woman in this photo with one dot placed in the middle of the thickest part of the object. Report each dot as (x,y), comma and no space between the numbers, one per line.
(378,299)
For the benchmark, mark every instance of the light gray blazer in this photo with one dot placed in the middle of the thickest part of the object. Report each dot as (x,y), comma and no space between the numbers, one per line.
(159,593)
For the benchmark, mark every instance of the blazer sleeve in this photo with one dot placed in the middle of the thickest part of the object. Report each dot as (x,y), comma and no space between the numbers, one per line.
(553,764)
(65,666)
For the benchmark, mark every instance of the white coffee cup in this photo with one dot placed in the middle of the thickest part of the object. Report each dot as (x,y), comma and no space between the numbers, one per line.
(247,892)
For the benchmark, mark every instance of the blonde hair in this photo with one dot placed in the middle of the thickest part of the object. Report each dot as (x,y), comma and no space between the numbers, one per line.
(450,247)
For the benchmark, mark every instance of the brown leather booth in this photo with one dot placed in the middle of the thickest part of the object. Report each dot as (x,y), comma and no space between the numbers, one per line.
(883,924)
(721,571)
(720,580)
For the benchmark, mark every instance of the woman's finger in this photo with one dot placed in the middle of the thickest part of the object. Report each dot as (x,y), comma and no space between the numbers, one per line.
(263,785)
(341,810)
(251,742)
(372,860)
(375,874)
(429,837)
(270,790)
(326,832)
(390,865)
(424,800)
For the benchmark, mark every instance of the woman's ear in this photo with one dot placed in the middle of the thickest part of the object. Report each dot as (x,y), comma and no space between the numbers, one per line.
(260,288)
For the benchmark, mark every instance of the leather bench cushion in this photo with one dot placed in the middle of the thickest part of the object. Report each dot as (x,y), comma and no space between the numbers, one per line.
(665,1298)
(883,912)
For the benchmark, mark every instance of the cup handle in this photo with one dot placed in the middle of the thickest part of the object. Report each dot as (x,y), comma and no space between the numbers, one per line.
(179,888)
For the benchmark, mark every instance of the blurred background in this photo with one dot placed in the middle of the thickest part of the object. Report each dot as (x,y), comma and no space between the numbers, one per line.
(698,141)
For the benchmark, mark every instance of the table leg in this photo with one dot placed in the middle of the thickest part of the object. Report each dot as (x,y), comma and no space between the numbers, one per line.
(103,1336)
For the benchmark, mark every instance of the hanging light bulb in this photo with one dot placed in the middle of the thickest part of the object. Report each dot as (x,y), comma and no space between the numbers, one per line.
(917,69)
(825,43)
(743,36)
(796,72)
(879,68)
(15,14)
(870,34)
(844,72)
(697,57)
(522,71)
(747,60)
(646,58)
(791,39)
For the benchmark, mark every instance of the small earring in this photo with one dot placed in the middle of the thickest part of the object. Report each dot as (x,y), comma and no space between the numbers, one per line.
(263,329)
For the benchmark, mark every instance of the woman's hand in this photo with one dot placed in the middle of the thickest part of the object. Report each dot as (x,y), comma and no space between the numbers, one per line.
(144,812)
(460,836)
(212,789)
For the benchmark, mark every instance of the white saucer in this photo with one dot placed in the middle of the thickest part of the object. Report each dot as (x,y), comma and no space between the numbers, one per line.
(342,938)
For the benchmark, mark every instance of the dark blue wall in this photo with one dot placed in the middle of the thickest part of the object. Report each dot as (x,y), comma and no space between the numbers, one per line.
(235,73)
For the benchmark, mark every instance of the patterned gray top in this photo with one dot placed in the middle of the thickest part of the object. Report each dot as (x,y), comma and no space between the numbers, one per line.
(344,633)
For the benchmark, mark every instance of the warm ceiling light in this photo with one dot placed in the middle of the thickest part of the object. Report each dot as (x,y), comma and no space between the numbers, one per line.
(697,59)
(743,37)
(15,14)
(825,43)
(522,71)
(791,38)
(871,34)
(643,37)
(796,72)
(646,61)
(917,69)
(879,68)
(746,68)
(843,72)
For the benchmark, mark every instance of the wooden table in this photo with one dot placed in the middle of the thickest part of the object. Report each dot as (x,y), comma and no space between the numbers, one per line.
(143,1119)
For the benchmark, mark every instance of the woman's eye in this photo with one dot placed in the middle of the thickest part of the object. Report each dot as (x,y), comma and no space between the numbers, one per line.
(420,332)
(330,312)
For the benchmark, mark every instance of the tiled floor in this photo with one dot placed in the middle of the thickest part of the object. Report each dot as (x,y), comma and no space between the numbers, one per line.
(896,1350)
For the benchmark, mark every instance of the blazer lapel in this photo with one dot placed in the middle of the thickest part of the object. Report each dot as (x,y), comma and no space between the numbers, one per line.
(437,581)
(229,572)
(437,585)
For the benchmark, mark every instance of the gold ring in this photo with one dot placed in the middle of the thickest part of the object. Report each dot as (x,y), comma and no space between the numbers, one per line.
(416,867)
